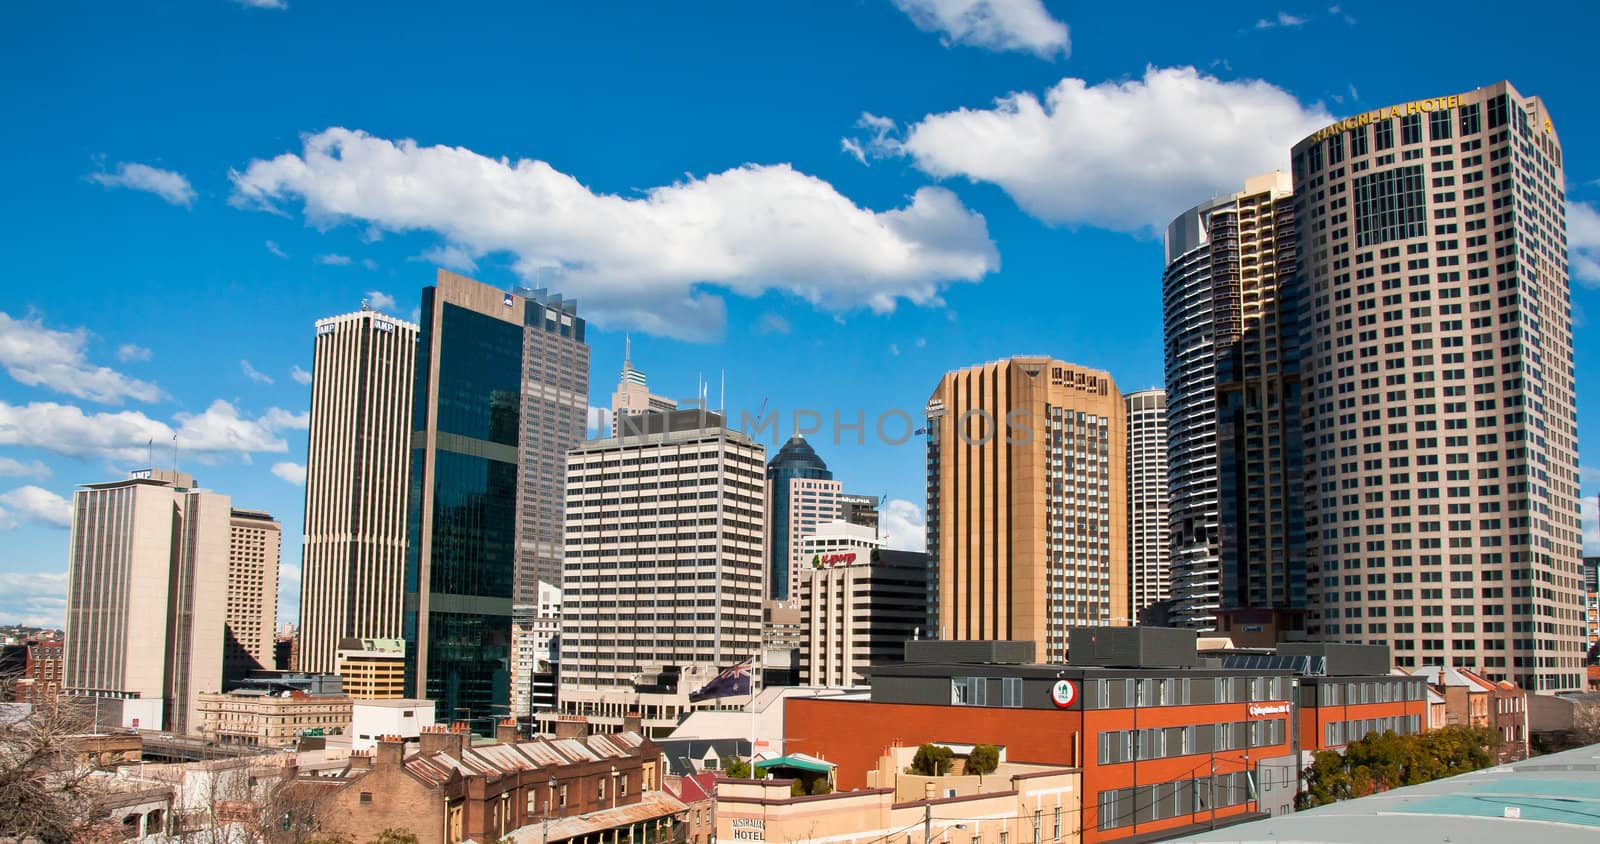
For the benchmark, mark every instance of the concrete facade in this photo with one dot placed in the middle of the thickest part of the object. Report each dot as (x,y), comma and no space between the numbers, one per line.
(358,462)
(1027,502)
(861,603)
(1148,561)
(254,540)
(664,571)
(1441,468)
(371,669)
(270,720)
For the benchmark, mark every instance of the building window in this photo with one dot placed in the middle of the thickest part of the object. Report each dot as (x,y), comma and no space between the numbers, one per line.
(967,691)
(601,788)
(366,797)
(563,802)
(1056,829)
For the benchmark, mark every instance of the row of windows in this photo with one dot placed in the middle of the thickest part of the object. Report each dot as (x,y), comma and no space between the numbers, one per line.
(1117,746)
(1127,806)
(1339,733)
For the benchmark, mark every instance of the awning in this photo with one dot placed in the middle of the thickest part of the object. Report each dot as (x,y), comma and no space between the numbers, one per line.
(800,762)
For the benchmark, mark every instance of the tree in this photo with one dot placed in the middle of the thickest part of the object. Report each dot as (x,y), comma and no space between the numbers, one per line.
(983,759)
(46,793)
(1381,761)
(1586,723)
(735,768)
(393,836)
(797,788)
(932,760)
(820,785)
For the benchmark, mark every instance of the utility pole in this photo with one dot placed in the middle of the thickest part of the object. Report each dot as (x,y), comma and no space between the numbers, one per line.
(927,821)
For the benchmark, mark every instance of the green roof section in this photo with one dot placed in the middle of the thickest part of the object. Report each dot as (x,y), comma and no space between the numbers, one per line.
(799,763)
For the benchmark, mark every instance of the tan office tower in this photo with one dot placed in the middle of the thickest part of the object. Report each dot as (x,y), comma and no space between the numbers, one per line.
(633,394)
(254,540)
(663,580)
(1027,502)
(1441,471)
(1147,499)
(147,582)
(357,467)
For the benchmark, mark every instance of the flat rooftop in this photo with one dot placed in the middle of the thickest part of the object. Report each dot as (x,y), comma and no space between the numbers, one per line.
(1552,799)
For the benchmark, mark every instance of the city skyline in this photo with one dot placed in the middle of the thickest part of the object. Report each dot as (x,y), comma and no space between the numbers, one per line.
(94,389)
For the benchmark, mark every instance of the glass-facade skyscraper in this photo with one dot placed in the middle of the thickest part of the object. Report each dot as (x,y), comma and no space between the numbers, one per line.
(465,515)
(802,494)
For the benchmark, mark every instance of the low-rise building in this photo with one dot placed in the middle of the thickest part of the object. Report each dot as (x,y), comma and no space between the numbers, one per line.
(446,789)
(266,719)
(1015,803)
(1164,742)
(371,669)
(371,720)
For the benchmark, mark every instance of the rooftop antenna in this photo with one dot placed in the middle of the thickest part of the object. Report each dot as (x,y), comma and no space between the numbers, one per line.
(174,453)
(722,400)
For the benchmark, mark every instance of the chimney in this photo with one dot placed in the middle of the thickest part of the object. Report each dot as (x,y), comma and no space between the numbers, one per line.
(632,723)
(506,732)
(439,738)
(572,728)
(360,760)
(390,752)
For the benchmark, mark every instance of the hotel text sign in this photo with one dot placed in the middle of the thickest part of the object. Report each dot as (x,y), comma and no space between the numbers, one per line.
(1413,107)
(749,829)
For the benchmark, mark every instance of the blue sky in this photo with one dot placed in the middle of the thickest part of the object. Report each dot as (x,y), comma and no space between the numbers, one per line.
(831,202)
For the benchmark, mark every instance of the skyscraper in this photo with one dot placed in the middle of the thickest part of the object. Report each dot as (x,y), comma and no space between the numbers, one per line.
(859,509)
(1233,385)
(254,541)
(1027,502)
(802,494)
(1441,473)
(358,462)
(1147,499)
(664,567)
(633,394)
(147,597)
(501,393)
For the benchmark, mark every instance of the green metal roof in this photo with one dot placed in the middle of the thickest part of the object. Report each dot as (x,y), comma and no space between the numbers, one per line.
(801,763)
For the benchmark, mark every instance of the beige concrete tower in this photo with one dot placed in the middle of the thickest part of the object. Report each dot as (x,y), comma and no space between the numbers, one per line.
(1027,502)
(664,569)
(254,540)
(1441,473)
(147,581)
(1147,499)
(357,467)
(633,394)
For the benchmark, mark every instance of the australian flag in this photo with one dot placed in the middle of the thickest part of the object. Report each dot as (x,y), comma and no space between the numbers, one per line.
(730,681)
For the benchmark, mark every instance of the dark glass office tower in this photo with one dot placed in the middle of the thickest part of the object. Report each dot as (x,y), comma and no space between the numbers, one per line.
(469,454)
(801,494)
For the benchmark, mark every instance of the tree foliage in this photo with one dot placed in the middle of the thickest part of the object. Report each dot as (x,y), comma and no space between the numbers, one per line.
(983,759)
(932,760)
(46,793)
(1381,761)
(734,767)
(393,836)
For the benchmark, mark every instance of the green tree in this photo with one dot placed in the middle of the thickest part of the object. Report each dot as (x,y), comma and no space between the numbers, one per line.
(983,759)
(393,836)
(1381,761)
(932,760)
(797,788)
(329,838)
(820,785)
(733,766)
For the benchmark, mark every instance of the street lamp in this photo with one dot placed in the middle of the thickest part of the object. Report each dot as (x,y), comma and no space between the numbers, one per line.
(549,798)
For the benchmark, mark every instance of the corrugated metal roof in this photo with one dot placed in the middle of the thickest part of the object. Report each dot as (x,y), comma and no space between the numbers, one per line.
(651,805)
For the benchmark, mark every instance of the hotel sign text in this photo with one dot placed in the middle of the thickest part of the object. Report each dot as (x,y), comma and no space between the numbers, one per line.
(1413,107)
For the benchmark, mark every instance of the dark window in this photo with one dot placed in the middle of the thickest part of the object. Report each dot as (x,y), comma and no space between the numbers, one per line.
(1471,123)
(1385,133)
(1497,111)
(1335,149)
(1439,125)
(1390,205)
(1314,157)
(1411,129)
(1358,141)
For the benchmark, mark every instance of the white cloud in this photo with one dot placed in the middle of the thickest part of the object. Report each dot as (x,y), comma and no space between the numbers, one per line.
(128,352)
(11,467)
(1583,242)
(922,342)
(263,4)
(334,260)
(127,435)
(894,349)
(645,261)
(273,247)
(43,357)
(369,263)
(294,473)
(451,257)
(35,505)
(1020,25)
(1127,156)
(380,301)
(1284,19)
(879,144)
(299,375)
(1587,506)
(771,323)
(36,598)
(168,185)
(903,525)
(254,374)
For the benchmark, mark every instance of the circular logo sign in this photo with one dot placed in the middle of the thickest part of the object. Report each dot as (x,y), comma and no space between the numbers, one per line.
(1063,693)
